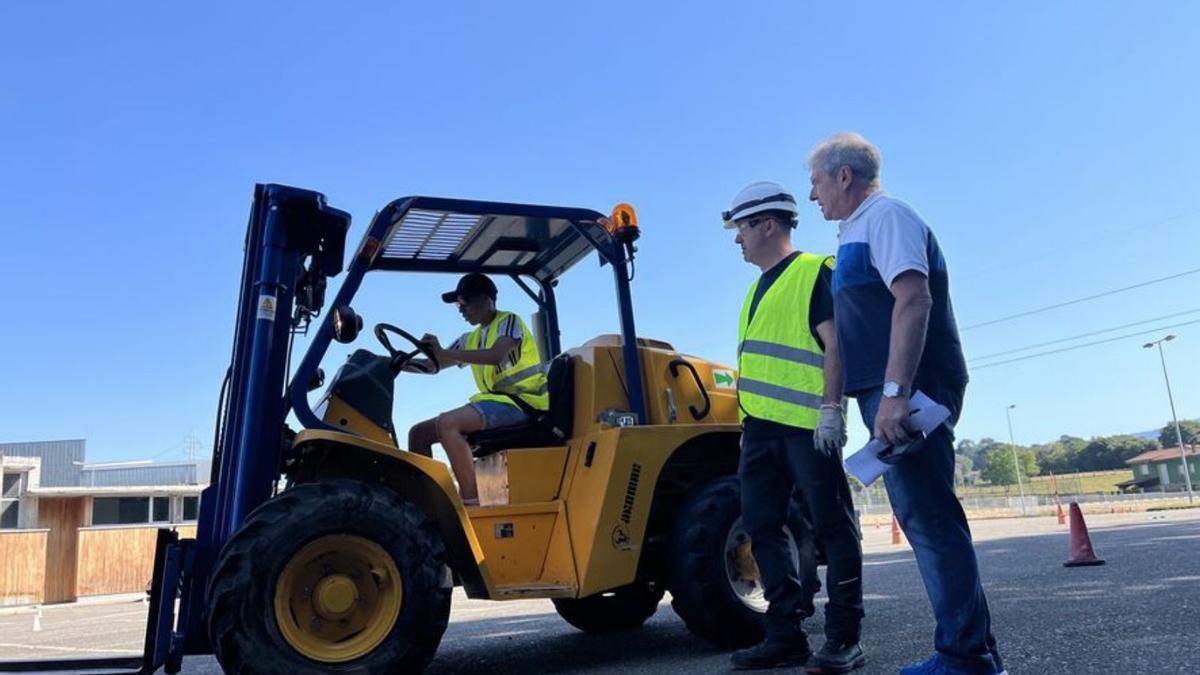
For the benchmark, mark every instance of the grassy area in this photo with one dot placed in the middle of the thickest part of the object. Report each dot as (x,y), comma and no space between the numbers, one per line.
(1077,483)
(1174,507)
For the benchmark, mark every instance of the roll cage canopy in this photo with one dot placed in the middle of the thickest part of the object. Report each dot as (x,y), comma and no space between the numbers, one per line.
(534,245)
(430,234)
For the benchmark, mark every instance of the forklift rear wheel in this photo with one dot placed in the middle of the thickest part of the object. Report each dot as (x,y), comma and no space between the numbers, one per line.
(711,574)
(620,609)
(331,577)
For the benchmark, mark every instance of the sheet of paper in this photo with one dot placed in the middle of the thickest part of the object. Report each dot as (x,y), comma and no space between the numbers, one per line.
(925,415)
(865,464)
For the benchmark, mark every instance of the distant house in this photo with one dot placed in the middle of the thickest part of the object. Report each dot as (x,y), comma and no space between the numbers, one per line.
(1163,469)
(69,528)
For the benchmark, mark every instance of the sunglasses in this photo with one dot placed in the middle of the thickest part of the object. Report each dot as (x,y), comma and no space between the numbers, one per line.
(752,222)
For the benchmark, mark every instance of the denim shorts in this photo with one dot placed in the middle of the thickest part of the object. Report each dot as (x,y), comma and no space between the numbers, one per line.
(496,414)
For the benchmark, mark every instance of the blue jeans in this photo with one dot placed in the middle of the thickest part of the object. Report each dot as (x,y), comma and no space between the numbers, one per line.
(771,469)
(921,489)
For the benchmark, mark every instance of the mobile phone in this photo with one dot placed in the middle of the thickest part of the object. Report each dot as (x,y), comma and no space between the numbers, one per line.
(893,453)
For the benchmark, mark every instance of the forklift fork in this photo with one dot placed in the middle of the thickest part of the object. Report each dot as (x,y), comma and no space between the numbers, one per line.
(163,644)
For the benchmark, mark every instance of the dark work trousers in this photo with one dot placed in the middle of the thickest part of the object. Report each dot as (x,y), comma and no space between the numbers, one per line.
(770,469)
(921,488)
(800,523)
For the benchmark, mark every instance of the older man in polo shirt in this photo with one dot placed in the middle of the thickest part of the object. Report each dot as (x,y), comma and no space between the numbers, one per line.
(897,333)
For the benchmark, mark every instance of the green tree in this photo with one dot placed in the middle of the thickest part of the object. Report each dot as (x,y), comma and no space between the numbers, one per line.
(983,448)
(1053,456)
(998,468)
(1189,428)
(964,470)
(1070,454)
(967,448)
(1110,452)
(1061,456)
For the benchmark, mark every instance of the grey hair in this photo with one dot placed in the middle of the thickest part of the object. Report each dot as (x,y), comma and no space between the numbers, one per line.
(847,149)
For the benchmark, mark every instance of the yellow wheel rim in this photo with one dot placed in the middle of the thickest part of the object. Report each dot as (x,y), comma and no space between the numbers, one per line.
(741,569)
(746,565)
(338,598)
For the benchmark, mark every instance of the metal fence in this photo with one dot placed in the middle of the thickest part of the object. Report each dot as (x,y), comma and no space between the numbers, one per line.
(874,501)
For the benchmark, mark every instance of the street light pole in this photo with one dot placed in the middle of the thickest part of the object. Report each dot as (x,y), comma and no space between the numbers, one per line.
(1187,477)
(1016,464)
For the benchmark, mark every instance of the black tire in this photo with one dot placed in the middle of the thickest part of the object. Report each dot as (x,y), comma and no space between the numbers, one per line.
(620,609)
(242,624)
(700,588)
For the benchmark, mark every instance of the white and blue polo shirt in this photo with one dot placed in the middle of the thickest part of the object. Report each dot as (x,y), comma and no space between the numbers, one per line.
(882,239)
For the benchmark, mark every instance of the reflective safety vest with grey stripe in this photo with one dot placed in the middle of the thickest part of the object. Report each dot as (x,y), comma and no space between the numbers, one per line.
(525,378)
(780,376)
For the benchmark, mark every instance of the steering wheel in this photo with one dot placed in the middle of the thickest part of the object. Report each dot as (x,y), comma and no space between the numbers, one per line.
(401,359)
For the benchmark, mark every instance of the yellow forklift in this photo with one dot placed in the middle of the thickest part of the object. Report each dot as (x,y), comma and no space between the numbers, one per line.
(330,549)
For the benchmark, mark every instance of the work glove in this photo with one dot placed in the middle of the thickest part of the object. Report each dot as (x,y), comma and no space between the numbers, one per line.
(830,435)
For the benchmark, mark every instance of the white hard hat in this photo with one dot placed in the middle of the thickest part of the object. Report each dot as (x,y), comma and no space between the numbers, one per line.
(757,197)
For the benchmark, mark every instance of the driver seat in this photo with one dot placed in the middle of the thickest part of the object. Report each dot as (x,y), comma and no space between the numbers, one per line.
(549,428)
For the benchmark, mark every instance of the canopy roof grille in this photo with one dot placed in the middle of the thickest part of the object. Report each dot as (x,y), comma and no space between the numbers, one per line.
(429,235)
(452,235)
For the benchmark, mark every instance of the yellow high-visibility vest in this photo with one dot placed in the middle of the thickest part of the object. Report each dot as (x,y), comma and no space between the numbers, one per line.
(780,362)
(526,379)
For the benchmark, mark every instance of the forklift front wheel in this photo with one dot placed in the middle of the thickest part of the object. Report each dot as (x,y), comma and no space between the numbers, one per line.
(336,576)
(338,598)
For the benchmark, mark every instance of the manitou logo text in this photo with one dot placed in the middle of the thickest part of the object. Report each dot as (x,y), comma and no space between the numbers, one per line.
(631,493)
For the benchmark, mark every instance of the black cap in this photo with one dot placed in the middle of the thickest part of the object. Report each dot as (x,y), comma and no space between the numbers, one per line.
(471,286)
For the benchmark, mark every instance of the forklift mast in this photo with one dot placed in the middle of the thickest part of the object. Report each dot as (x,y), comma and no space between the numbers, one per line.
(294,242)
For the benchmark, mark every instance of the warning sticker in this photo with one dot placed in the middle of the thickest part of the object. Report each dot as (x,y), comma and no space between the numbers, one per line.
(725,379)
(266,307)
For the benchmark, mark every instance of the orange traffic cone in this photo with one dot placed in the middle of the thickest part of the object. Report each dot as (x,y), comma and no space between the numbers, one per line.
(1081,553)
(1062,517)
(897,538)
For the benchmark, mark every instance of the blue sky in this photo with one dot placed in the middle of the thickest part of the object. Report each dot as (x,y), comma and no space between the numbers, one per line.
(1052,149)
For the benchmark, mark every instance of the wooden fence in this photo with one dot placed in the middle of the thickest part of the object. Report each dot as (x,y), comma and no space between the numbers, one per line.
(118,559)
(22,566)
(63,517)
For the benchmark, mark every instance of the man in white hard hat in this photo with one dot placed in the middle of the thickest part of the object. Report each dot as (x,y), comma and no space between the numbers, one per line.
(793,429)
(896,327)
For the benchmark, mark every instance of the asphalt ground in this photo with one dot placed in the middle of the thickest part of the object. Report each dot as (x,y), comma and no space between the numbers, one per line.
(1137,614)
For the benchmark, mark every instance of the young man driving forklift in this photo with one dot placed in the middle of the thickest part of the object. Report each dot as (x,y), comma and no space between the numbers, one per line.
(504,359)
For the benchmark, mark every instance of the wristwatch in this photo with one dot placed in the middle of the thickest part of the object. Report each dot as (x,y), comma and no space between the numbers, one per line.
(896,390)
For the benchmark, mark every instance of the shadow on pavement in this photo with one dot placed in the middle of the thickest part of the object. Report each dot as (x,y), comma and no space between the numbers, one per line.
(544,643)
(1127,616)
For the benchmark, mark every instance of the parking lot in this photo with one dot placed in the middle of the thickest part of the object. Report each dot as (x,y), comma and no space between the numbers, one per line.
(1129,616)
